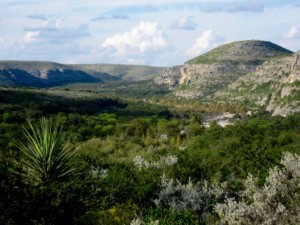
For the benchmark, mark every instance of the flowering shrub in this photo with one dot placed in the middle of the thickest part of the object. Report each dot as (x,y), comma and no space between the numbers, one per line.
(199,197)
(140,222)
(277,202)
(141,163)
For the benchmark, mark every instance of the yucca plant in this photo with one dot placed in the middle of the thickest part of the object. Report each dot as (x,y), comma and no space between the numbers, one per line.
(45,157)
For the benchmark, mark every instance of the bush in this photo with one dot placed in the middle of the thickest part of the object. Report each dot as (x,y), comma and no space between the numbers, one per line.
(276,202)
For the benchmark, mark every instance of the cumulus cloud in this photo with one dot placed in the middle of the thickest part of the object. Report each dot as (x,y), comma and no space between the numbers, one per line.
(208,40)
(137,45)
(30,36)
(294,32)
(184,23)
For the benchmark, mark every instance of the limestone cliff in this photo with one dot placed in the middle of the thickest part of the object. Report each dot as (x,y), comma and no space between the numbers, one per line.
(202,76)
(275,85)
(169,77)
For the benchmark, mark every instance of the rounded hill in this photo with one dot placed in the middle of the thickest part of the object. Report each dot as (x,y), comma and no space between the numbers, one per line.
(251,52)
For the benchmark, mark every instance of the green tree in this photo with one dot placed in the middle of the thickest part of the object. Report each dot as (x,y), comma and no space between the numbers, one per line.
(45,157)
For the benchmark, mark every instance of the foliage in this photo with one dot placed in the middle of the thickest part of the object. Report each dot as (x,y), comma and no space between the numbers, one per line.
(200,198)
(276,202)
(123,149)
(44,155)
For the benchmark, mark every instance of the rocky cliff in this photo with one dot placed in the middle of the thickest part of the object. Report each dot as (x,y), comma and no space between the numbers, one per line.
(202,76)
(256,73)
(169,77)
(275,85)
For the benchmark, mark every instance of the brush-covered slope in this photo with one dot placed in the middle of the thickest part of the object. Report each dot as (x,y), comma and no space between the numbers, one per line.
(242,52)
(275,86)
(44,74)
(41,74)
(124,72)
(202,76)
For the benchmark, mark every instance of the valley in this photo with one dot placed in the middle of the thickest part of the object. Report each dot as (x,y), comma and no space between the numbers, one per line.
(129,144)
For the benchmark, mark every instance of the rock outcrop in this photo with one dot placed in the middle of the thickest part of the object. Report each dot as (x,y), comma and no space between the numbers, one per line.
(169,77)
(259,73)
(275,86)
(202,76)
(203,80)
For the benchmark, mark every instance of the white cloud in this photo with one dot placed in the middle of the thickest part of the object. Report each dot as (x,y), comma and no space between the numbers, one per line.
(53,31)
(136,45)
(30,37)
(184,23)
(208,40)
(292,33)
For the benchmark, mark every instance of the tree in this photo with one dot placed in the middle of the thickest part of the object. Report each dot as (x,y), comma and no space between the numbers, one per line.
(45,157)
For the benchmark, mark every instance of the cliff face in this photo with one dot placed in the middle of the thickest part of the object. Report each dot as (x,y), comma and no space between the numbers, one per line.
(203,80)
(202,76)
(275,85)
(169,77)
(256,73)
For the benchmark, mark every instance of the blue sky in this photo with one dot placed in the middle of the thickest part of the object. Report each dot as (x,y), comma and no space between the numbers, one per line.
(152,32)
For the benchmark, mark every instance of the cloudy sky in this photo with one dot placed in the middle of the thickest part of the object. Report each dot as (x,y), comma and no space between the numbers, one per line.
(152,32)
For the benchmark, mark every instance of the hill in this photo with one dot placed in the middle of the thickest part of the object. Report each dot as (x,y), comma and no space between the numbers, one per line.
(204,75)
(46,74)
(275,86)
(124,72)
(250,52)
(256,74)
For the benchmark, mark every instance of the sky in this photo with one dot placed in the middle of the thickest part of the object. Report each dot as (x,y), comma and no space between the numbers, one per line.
(148,32)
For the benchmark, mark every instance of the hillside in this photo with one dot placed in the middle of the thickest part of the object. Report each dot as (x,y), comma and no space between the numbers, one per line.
(46,74)
(124,72)
(275,86)
(202,76)
(242,52)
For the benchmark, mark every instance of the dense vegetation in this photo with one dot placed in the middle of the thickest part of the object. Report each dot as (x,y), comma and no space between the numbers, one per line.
(136,162)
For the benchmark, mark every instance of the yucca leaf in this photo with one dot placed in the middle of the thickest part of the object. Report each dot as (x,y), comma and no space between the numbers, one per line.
(44,155)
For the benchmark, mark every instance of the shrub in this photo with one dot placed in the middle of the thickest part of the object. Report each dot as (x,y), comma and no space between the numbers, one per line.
(276,202)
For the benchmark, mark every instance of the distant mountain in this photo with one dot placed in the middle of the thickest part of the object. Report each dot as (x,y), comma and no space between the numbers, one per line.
(124,72)
(45,74)
(258,74)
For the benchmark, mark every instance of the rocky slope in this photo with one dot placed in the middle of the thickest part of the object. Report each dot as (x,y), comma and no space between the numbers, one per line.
(44,74)
(203,76)
(275,86)
(169,77)
(255,73)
